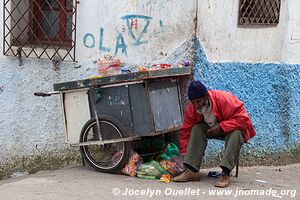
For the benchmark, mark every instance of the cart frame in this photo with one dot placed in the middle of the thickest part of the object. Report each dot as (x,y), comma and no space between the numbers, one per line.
(177,78)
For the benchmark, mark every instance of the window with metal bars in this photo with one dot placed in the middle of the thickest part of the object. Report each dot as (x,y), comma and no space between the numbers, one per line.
(259,12)
(40,28)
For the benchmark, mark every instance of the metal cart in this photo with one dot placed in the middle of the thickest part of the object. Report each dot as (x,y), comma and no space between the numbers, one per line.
(104,116)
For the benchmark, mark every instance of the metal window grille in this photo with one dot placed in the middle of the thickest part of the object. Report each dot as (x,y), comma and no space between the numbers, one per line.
(259,12)
(40,28)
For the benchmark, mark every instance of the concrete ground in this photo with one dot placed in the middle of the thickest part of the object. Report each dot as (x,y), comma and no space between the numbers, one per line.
(280,182)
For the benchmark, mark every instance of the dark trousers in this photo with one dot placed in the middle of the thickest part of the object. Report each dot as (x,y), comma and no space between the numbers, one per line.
(198,142)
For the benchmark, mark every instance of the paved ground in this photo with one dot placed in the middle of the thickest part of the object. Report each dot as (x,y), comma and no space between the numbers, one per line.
(83,183)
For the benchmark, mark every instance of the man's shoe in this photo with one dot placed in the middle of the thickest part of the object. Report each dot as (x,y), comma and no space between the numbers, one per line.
(187,175)
(223,181)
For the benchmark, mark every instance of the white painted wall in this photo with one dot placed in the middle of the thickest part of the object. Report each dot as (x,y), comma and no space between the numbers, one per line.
(291,44)
(30,125)
(171,25)
(224,40)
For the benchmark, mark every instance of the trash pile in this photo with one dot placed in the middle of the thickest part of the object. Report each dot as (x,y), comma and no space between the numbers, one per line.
(108,66)
(167,165)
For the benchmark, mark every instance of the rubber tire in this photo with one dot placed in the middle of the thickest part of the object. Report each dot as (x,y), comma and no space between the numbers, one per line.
(127,144)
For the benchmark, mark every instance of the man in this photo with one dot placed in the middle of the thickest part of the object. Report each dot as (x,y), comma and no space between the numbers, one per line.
(211,114)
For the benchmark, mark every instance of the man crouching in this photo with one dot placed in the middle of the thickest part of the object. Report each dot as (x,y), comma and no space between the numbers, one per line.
(211,114)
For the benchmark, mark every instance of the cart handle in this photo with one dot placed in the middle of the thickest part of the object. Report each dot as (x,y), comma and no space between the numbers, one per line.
(44,94)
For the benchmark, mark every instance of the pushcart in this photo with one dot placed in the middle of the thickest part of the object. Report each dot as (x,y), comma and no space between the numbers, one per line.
(105,116)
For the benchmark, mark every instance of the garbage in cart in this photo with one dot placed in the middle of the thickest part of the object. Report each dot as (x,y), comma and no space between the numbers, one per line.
(108,66)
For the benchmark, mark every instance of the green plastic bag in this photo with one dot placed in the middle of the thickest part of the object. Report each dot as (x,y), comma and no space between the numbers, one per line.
(151,170)
(171,150)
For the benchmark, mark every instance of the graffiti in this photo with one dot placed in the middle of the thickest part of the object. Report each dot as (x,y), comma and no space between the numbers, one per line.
(120,44)
(89,40)
(137,27)
(134,24)
(123,29)
(130,25)
(160,23)
(101,47)
(161,28)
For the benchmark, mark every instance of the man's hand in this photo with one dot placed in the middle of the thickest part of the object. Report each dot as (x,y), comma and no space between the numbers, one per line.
(214,130)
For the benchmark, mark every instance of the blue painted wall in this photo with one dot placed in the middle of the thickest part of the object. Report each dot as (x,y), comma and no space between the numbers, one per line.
(271,93)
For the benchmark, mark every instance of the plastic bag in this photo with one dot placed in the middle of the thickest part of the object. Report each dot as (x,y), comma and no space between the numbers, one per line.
(165,178)
(179,162)
(185,63)
(171,150)
(169,166)
(174,166)
(130,168)
(151,170)
(108,66)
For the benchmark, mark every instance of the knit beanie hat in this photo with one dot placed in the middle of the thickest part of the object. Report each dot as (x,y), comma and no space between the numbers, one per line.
(196,90)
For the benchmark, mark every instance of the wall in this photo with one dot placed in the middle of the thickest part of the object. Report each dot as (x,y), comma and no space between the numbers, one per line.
(240,60)
(291,40)
(137,31)
(249,63)
(271,93)
(224,40)
(32,126)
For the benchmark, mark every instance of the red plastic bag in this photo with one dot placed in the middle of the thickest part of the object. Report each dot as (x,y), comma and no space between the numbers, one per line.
(108,66)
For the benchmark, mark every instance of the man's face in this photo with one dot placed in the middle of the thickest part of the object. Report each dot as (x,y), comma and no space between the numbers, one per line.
(198,103)
(201,104)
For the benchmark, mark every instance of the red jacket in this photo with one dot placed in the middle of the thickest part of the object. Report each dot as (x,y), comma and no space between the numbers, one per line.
(229,111)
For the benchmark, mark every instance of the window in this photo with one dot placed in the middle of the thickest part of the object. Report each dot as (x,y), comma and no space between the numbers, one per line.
(259,12)
(40,28)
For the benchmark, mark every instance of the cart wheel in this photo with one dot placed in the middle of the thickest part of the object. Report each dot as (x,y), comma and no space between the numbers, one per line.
(111,157)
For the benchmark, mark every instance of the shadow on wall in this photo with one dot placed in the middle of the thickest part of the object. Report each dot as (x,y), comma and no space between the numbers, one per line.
(271,93)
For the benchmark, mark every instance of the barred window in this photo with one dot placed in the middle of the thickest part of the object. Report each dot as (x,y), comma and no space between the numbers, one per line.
(259,12)
(40,28)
